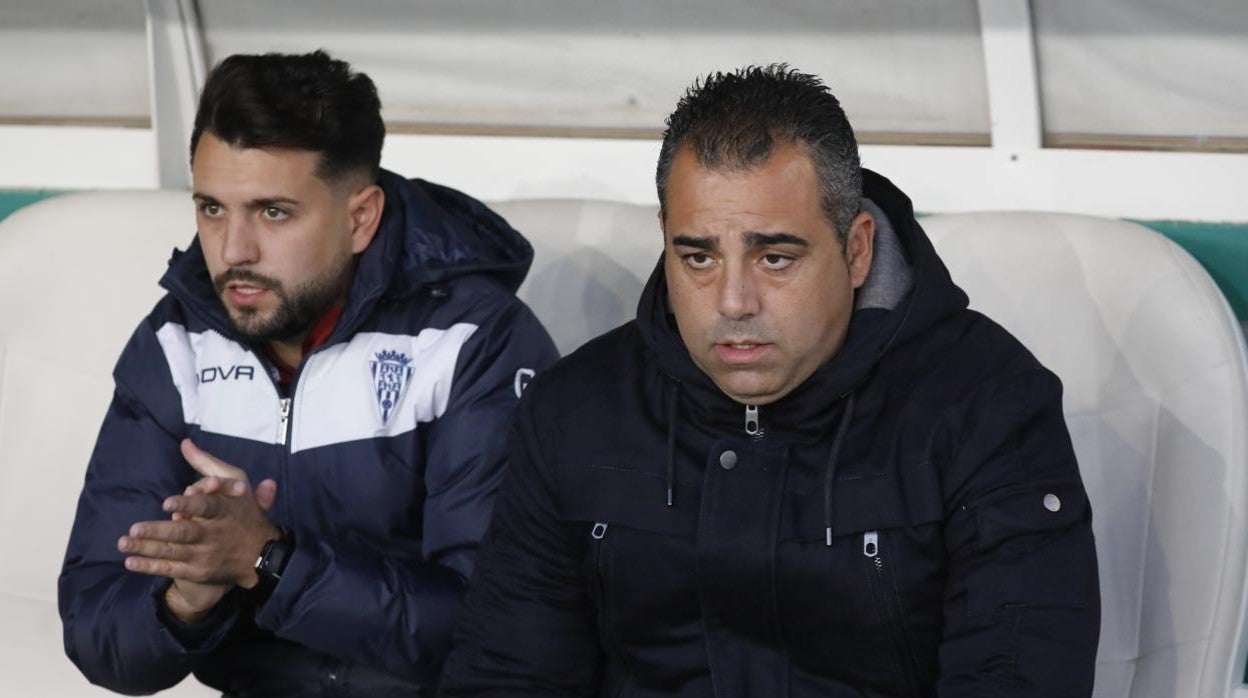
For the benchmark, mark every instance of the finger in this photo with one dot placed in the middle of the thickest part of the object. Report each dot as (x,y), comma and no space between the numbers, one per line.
(207,464)
(154,549)
(205,485)
(266,494)
(205,506)
(171,531)
(166,568)
(235,488)
(218,485)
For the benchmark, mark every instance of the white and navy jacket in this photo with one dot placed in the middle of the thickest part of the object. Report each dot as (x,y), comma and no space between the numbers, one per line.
(387,453)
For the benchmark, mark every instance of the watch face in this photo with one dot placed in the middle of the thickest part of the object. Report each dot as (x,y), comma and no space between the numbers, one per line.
(273,557)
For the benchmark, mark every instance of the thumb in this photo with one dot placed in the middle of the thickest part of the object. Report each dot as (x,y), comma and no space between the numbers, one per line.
(266,494)
(209,465)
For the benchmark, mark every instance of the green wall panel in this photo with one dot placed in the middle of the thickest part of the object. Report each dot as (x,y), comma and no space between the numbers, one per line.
(1222,248)
(13,199)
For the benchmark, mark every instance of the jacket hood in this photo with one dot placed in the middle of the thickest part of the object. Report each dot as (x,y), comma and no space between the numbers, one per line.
(429,235)
(908,290)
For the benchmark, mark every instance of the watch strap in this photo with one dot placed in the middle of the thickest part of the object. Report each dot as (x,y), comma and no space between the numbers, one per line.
(270,565)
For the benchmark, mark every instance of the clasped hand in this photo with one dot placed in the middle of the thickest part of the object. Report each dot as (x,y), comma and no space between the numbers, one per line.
(217,529)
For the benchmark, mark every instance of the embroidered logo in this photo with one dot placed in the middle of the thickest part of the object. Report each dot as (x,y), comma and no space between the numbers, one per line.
(391,373)
(523,376)
(225,373)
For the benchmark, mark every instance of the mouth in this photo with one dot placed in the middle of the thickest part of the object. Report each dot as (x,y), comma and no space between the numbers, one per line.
(243,293)
(743,352)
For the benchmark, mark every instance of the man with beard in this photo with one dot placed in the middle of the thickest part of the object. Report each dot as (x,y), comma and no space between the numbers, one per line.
(289,486)
(805,469)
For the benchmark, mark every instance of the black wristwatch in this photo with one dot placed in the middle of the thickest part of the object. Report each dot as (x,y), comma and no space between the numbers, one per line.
(270,565)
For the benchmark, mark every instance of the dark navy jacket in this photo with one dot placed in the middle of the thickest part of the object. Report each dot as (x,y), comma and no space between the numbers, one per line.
(930,452)
(387,453)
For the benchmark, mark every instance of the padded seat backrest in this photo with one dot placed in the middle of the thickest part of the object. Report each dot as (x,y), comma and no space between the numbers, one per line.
(77,274)
(1152,361)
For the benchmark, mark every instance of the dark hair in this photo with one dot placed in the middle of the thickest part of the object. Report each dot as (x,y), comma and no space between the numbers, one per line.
(306,102)
(735,120)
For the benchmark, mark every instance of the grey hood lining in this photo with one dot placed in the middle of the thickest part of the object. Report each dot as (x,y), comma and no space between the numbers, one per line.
(891,276)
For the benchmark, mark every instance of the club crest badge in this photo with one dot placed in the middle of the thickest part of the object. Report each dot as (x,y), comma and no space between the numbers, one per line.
(392,371)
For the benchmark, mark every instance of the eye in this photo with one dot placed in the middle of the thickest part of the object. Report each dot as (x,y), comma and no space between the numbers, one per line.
(274,213)
(210,209)
(699,260)
(776,262)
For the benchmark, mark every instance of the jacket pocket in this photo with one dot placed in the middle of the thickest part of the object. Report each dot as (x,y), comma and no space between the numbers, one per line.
(598,561)
(885,598)
(1034,548)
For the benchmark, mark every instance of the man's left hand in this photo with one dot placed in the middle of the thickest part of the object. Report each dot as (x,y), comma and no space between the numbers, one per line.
(216,534)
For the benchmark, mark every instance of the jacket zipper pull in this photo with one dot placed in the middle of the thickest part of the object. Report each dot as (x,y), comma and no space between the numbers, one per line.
(283,412)
(870,544)
(599,531)
(751,420)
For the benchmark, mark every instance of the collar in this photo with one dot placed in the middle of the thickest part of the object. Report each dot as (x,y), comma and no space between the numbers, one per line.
(317,336)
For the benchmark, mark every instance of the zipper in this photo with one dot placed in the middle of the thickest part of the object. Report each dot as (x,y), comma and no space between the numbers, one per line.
(598,533)
(751,421)
(887,602)
(285,427)
(283,420)
(602,572)
(871,544)
(286,412)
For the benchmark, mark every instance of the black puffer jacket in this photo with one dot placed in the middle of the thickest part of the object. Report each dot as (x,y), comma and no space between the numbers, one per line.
(931,452)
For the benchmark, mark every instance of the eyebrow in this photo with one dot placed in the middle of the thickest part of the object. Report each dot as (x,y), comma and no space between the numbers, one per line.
(767,239)
(752,240)
(706,244)
(253,204)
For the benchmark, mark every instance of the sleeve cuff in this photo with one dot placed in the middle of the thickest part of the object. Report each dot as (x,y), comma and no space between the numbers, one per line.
(205,634)
(304,558)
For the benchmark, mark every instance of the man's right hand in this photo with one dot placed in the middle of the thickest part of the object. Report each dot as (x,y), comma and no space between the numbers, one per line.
(190,601)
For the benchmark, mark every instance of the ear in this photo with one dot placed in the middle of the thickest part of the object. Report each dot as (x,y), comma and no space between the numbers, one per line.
(860,248)
(365,207)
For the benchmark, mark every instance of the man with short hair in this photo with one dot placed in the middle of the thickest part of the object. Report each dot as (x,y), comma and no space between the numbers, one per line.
(288,490)
(805,469)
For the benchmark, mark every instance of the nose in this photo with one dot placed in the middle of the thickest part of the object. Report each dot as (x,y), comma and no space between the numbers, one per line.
(240,245)
(738,293)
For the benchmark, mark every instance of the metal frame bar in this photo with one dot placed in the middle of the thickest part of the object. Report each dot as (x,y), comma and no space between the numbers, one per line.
(176,66)
(1012,82)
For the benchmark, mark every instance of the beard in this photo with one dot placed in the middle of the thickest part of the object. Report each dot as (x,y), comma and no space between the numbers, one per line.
(297,309)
